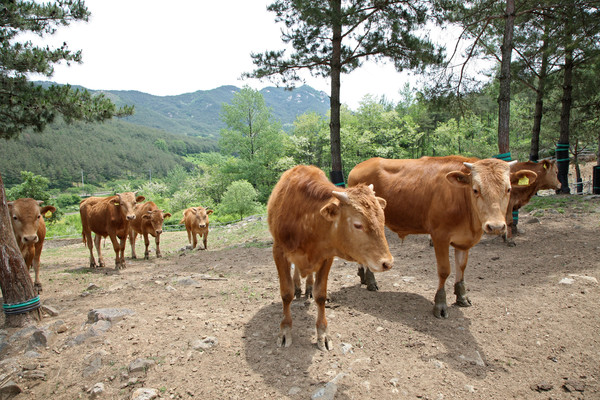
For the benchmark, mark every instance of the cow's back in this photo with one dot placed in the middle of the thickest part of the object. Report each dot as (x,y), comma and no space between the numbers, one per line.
(294,206)
(419,198)
(100,216)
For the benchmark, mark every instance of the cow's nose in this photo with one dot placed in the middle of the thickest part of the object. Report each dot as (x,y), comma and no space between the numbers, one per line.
(159,231)
(387,265)
(30,239)
(202,226)
(131,217)
(495,227)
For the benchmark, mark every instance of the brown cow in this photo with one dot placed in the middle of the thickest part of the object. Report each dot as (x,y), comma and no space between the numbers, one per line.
(30,231)
(196,223)
(312,222)
(148,221)
(108,216)
(547,178)
(454,199)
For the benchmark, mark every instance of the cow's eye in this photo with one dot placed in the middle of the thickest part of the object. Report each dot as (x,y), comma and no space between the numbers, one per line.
(475,191)
(508,190)
(15,217)
(358,225)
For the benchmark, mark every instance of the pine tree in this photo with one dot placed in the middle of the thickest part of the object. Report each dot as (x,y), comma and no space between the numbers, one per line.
(334,37)
(24,105)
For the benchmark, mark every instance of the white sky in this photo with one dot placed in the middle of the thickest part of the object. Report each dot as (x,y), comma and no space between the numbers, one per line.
(181,46)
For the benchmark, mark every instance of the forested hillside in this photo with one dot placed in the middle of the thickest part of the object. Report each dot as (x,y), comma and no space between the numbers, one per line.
(198,113)
(103,151)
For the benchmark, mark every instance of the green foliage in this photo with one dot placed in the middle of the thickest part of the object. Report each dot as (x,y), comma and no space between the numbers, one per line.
(24,104)
(34,186)
(240,199)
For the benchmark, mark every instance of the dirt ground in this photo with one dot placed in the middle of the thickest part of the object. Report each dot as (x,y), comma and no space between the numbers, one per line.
(204,323)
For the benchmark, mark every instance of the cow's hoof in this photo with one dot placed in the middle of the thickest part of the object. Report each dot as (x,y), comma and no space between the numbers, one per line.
(308,292)
(146,257)
(440,311)
(37,288)
(158,255)
(324,343)
(298,292)
(510,242)
(373,287)
(133,257)
(285,337)
(440,308)
(361,274)
(461,295)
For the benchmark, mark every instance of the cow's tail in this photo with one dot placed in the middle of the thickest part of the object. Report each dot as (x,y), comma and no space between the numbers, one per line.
(182,220)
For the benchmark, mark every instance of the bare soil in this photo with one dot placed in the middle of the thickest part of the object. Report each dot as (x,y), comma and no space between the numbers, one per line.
(530,333)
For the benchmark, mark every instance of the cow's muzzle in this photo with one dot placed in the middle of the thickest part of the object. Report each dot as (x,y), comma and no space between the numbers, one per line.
(30,239)
(131,217)
(495,228)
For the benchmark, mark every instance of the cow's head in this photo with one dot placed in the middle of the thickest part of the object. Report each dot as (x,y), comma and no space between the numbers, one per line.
(488,183)
(126,202)
(201,216)
(26,216)
(156,218)
(358,221)
(549,180)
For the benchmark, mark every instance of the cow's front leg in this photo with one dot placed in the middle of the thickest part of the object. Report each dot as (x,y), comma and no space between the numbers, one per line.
(297,283)
(442,253)
(205,241)
(461,257)
(286,289)
(157,241)
(132,237)
(117,248)
(147,244)
(121,253)
(324,341)
(37,286)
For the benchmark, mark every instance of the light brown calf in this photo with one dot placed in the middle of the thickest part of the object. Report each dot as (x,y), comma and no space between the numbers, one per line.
(30,231)
(108,216)
(148,221)
(196,223)
(312,222)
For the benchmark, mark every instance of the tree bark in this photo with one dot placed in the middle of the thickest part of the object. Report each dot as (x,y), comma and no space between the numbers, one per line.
(15,281)
(534,151)
(337,175)
(562,152)
(504,96)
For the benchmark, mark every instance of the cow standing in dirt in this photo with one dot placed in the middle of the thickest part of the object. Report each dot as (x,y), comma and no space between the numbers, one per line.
(312,222)
(148,221)
(108,216)
(547,178)
(453,199)
(30,231)
(196,223)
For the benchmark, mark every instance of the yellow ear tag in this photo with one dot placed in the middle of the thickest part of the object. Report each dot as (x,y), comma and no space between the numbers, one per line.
(117,204)
(524,181)
(48,214)
(545,166)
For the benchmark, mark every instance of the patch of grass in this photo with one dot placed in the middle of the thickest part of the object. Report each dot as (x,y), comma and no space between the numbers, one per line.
(562,203)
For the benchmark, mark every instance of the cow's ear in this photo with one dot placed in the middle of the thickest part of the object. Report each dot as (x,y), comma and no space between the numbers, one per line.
(139,199)
(10,205)
(522,178)
(194,210)
(331,210)
(382,202)
(45,209)
(166,215)
(146,216)
(458,178)
(208,212)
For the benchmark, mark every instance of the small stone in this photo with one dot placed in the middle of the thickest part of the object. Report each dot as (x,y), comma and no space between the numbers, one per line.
(92,286)
(51,311)
(144,394)
(294,391)
(566,281)
(542,387)
(96,390)
(9,389)
(140,365)
(574,386)
(204,344)
(346,348)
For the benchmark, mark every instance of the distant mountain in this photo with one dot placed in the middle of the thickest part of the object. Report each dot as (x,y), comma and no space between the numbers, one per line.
(198,113)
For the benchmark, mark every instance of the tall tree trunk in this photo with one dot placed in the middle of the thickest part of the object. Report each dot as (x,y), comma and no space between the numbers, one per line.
(504,96)
(337,175)
(15,281)
(534,150)
(562,150)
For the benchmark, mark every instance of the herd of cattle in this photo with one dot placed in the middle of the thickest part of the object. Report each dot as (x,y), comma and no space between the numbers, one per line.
(453,199)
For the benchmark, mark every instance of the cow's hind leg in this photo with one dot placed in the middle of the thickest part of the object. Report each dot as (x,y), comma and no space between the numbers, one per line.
(461,257)
(205,241)
(37,286)
(147,244)
(97,243)
(157,242)
(297,283)
(308,290)
(442,253)
(324,341)
(286,288)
